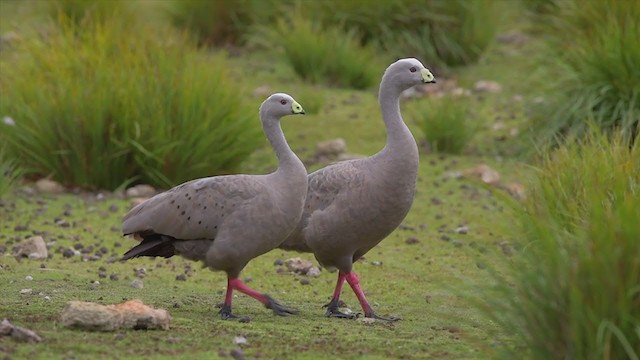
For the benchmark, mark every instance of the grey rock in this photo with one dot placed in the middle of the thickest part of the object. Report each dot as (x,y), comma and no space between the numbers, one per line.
(33,248)
(331,148)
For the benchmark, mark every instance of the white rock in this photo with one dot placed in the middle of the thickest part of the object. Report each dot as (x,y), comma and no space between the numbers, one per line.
(49,186)
(26,291)
(313,272)
(487,86)
(462,229)
(7,120)
(240,340)
(28,277)
(141,190)
(298,265)
(47,297)
(333,147)
(34,248)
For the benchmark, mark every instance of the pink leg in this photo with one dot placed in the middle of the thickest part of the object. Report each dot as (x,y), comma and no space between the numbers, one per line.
(332,306)
(338,290)
(354,282)
(237,284)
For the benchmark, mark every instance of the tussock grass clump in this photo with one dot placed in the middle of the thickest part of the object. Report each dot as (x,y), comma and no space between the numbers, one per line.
(574,289)
(100,107)
(83,11)
(593,45)
(330,55)
(224,22)
(445,123)
(441,32)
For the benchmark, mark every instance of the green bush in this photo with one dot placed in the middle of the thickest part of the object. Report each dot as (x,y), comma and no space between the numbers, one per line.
(573,291)
(593,46)
(101,107)
(445,123)
(318,55)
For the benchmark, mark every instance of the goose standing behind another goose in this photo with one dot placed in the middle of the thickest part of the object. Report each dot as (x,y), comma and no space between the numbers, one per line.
(225,221)
(352,205)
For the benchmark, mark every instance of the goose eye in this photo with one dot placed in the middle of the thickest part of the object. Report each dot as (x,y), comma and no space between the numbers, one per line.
(283,102)
(413,69)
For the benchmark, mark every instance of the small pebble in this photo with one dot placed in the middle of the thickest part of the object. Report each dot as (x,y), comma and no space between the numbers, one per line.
(26,291)
(119,337)
(94,285)
(114,277)
(278,262)
(181,277)
(102,274)
(305,281)
(237,354)
(47,297)
(137,284)
(28,277)
(68,253)
(376,262)
(462,229)
(412,240)
(457,243)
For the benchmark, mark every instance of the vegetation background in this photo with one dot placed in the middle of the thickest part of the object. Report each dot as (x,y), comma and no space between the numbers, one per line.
(522,242)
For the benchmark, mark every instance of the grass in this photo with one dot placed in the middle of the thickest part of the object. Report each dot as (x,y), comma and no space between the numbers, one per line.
(320,55)
(10,172)
(592,51)
(446,123)
(573,292)
(127,103)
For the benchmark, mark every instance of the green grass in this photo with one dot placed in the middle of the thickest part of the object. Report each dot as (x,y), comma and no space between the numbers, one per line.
(573,291)
(446,123)
(146,108)
(320,55)
(593,53)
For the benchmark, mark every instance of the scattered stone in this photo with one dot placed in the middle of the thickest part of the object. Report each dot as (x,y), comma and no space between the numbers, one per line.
(26,291)
(94,285)
(237,354)
(406,227)
(137,284)
(481,265)
(132,314)
(17,332)
(28,278)
(331,148)
(366,320)
(464,229)
(114,208)
(49,186)
(305,281)
(411,241)
(298,265)
(516,190)
(47,297)
(33,248)
(313,271)
(240,340)
(181,277)
(506,248)
(119,336)
(485,173)
(114,277)
(7,120)
(457,243)
(102,274)
(140,272)
(376,263)
(487,86)
(445,238)
(62,223)
(278,262)
(21,228)
(140,191)
(68,253)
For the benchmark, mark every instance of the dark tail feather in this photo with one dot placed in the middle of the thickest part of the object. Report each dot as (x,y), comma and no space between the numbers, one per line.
(152,245)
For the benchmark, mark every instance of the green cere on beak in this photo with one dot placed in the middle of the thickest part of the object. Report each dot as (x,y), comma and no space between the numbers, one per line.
(296,108)
(427,76)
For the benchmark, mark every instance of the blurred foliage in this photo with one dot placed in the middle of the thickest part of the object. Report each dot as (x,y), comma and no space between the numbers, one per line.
(331,56)
(573,291)
(593,49)
(445,123)
(97,107)
(10,172)
(84,11)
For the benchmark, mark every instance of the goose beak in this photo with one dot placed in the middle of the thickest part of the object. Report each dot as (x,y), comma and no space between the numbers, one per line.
(427,76)
(296,108)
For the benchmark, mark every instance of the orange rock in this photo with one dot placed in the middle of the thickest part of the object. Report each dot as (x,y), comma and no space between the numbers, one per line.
(485,173)
(132,314)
